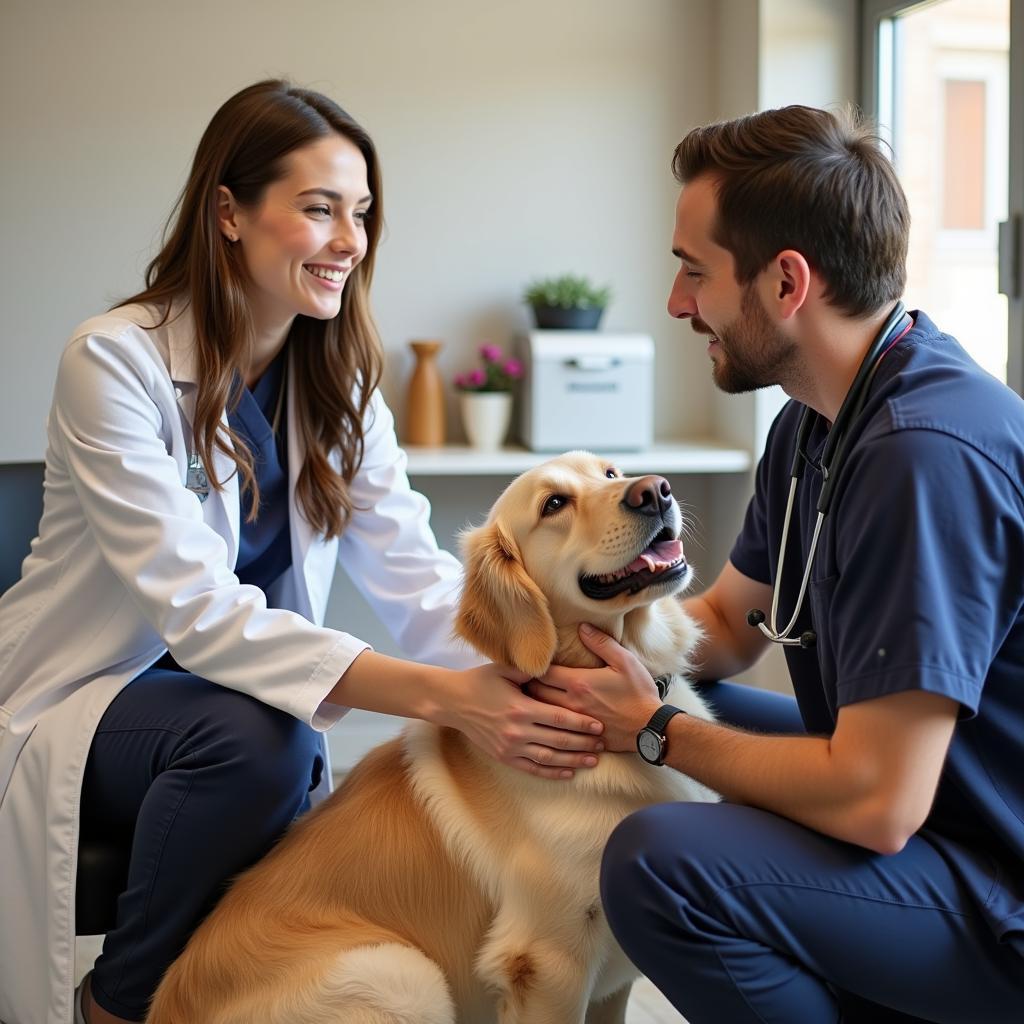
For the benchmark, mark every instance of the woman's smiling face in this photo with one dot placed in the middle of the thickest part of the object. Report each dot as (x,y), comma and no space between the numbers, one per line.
(307,234)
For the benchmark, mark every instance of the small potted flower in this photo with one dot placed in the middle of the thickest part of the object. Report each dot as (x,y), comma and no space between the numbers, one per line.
(485,398)
(567,302)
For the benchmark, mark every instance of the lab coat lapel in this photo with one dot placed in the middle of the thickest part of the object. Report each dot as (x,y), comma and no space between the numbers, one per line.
(221,508)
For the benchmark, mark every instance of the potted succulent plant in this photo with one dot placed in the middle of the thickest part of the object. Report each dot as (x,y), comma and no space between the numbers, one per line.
(569,301)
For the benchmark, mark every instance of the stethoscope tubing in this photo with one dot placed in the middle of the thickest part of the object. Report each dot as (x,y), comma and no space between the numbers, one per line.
(832,460)
(771,632)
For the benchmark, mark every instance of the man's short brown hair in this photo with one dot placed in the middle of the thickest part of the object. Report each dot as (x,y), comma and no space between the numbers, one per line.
(810,180)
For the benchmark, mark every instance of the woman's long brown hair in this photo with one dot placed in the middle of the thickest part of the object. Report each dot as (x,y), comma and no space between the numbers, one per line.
(336,363)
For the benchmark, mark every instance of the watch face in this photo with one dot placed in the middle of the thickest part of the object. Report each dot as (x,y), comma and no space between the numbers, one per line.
(649,745)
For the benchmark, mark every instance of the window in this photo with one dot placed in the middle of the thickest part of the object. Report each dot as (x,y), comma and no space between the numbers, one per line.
(942,87)
(963,164)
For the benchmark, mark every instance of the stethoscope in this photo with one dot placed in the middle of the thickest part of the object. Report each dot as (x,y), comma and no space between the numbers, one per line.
(833,456)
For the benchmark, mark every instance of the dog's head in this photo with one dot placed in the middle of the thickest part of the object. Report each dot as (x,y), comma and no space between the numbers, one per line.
(569,541)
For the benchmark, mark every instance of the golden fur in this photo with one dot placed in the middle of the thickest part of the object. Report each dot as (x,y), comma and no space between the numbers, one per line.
(438,885)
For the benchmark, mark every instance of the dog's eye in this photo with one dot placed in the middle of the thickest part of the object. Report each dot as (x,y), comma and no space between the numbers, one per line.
(554,504)
(611,472)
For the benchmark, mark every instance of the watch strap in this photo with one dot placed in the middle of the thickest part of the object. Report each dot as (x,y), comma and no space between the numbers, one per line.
(655,728)
(660,719)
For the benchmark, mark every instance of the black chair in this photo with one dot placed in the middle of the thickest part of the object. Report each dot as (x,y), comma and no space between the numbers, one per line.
(102,864)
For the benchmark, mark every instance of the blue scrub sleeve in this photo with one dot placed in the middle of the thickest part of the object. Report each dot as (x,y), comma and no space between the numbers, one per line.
(926,581)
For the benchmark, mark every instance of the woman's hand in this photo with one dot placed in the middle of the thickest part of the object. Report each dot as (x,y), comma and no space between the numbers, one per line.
(488,705)
(622,695)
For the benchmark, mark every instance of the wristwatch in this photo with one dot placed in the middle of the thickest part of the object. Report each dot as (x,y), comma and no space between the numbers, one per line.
(650,740)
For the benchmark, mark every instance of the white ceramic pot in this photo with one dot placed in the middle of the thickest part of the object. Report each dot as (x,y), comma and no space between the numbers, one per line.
(486,415)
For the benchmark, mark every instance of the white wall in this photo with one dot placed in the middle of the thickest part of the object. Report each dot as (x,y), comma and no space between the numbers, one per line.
(808,52)
(517,139)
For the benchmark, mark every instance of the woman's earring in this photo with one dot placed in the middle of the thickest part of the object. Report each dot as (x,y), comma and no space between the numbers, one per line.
(232,238)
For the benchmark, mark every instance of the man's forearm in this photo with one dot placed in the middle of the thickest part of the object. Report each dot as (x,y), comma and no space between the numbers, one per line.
(794,776)
(872,782)
(721,655)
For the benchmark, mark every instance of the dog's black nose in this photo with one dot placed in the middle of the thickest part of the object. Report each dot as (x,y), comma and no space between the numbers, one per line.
(649,495)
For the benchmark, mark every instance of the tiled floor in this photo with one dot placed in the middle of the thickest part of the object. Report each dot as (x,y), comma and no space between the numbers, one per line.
(646,1006)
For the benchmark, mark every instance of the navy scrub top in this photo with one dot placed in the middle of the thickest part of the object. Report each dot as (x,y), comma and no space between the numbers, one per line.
(264,546)
(918,584)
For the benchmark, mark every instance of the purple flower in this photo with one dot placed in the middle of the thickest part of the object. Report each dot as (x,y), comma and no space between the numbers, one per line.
(460,380)
(490,353)
(475,378)
(513,368)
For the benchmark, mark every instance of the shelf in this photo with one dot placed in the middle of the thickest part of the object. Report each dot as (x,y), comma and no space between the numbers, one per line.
(663,457)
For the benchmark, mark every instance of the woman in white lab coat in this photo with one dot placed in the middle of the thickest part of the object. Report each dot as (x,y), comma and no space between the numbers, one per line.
(216,446)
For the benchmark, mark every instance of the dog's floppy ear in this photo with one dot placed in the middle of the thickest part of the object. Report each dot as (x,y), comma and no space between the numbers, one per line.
(502,612)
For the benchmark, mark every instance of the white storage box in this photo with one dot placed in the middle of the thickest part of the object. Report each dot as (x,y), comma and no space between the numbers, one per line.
(587,389)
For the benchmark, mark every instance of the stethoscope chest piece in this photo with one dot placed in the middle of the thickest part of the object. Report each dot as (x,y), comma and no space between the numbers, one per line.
(807,640)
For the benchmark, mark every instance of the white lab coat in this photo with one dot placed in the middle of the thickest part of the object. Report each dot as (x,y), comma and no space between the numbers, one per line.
(129,563)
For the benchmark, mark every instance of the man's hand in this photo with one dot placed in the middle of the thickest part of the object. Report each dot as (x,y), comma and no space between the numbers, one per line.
(622,694)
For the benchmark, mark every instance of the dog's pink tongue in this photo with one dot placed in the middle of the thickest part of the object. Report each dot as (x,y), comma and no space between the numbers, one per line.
(657,556)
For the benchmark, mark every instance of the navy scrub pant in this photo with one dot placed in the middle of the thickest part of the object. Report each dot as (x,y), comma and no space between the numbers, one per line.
(739,915)
(200,781)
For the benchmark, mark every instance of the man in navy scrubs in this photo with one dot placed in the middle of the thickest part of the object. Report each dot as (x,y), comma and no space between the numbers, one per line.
(867,860)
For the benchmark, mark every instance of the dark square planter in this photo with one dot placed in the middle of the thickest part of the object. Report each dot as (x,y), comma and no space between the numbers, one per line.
(557,318)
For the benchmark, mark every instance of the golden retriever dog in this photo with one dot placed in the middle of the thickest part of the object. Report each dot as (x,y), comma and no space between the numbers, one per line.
(437,884)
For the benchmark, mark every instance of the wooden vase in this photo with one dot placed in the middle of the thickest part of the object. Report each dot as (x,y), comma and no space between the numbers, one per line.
(425,413)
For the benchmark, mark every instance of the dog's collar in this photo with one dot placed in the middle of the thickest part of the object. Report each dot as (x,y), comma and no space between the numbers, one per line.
(663,683)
